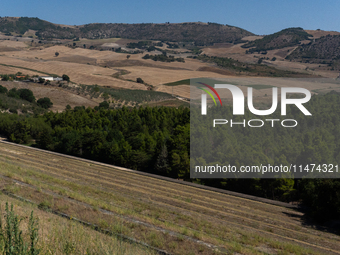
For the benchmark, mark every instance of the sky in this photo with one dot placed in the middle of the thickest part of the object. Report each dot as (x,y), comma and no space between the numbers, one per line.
(257,16)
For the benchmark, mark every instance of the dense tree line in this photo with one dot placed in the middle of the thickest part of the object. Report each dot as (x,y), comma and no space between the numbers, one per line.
(163,58)
(157,140)
(147,139)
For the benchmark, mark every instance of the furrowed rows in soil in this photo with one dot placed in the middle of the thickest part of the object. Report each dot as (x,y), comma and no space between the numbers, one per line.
(209,203)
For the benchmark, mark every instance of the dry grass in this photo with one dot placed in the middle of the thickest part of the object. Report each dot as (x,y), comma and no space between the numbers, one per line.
(319,33)
(61,236)
(235,224)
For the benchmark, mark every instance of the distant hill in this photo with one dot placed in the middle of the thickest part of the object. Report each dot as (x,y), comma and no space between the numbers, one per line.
(21,25)
(197,32)
(325,50)
(285,38)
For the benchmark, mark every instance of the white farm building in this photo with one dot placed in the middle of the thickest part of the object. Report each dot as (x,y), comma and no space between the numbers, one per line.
(46,78)
(49,78)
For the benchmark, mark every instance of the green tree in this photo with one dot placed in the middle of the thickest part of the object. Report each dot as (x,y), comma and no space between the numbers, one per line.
(104,105)
(5,77)
(27,95)
(139,80)
(45,103)
(56,54)
(13,93)
(3,90)
(65,77)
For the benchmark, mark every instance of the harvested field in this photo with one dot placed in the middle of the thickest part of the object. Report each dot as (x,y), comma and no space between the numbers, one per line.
(79,73)
(14,70)
(90,67)
(12,44)
(169,215)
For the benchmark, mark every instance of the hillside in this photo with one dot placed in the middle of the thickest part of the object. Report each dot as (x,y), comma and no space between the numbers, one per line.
(197,32)
(285,38)
(164,213)
(324,50)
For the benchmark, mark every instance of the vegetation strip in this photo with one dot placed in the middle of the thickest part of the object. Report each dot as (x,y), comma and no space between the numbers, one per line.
(93,226)
(232,193)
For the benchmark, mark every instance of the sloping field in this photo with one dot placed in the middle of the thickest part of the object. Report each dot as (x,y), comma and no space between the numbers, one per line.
(59,97)
(79,73)
(167,214)
(14,70)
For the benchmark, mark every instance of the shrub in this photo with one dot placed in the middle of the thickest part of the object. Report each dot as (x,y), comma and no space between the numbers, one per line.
(65,77)
(13,93)
(12,110)
(3,90)
(45,103)
(104,105)
(5,77)
(139,80)
(26,94)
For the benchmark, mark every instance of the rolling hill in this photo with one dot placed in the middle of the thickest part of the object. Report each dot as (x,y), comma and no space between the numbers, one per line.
(197,32)
(323,50)
(285,38)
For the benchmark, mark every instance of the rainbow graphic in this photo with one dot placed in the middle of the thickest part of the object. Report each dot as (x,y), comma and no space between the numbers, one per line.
(208,92)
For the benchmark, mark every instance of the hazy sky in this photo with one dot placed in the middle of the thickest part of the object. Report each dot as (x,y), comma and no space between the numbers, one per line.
(257,16)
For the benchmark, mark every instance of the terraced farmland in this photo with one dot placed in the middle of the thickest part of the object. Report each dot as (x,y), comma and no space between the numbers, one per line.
(168,215)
